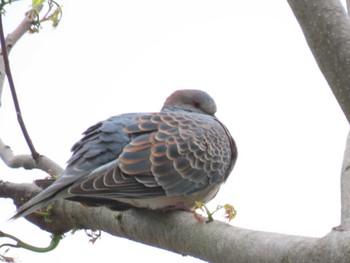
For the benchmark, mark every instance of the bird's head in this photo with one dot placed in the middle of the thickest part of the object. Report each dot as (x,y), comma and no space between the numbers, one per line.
(191,100)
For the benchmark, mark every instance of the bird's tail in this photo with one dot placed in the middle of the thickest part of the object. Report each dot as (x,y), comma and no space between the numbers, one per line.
(50,194)
(29,207)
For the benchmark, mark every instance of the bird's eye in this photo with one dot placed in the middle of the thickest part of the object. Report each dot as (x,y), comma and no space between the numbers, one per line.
(196,104)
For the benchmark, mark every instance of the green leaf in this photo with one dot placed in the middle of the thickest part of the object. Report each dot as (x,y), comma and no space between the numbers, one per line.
(37,2)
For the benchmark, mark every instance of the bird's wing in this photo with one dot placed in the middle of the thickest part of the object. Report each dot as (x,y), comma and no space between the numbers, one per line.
(169,154)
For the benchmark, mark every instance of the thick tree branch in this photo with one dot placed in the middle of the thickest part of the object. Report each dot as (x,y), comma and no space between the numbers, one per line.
(179,232)
(326,27)
(345,186)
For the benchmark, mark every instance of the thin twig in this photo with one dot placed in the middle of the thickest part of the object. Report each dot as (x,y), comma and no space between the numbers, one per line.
(14,36)
(30,144)
(55,240)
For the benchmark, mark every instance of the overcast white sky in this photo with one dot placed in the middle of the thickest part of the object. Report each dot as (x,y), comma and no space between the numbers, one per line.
(128,56)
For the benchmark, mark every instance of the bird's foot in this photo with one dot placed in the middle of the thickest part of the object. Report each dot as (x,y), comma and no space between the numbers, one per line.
(183,207)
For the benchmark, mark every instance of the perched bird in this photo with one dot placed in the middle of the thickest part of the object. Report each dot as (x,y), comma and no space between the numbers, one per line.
(163,160)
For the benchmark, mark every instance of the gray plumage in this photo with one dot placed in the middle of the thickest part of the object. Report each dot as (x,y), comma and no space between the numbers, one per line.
(179,155)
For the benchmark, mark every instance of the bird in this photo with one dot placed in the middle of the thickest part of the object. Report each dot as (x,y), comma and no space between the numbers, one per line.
(163,160)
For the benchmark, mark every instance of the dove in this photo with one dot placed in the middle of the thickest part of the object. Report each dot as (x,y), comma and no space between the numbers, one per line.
(163,160)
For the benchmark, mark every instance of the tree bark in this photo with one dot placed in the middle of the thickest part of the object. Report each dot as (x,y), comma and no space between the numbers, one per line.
(345,186)
(179,232)
(326,28)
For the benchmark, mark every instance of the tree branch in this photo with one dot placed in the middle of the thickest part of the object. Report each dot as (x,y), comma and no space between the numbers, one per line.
(326,27)
(27,162)
(12,39)
(345,186)
(4,52)
(35,161)
(179,232)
